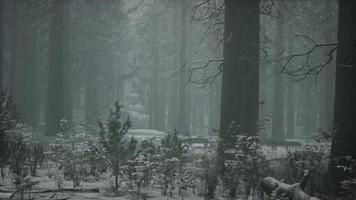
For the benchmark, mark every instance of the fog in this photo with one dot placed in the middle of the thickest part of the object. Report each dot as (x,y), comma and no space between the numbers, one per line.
(190,99)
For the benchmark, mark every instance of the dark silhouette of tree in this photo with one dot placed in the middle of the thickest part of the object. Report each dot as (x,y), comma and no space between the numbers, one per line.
(343,151)
(240,74)
(55,92)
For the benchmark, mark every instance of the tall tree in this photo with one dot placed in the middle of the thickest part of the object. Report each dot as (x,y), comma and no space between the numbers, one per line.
(158,96)
(92,64)
(344,140)
(290,97)
(56,93)
(240,76)
(1,43)
(278,93)
(182,124)
(326,115)
(173,91)
(14,47)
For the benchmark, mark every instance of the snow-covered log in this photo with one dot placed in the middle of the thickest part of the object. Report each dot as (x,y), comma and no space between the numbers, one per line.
(24,187)
(93,190)
(273,187)
(89,190)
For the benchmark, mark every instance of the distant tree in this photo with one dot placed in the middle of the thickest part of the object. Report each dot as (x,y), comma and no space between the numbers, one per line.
(278,92)
(182,124)
(13,48)
(56,92)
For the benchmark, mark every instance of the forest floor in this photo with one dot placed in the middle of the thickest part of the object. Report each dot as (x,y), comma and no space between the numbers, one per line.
(104,185)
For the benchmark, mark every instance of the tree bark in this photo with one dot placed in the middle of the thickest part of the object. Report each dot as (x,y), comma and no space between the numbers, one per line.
(182,124)
(326,114)
(240,76)
(239,98)
(278,93)
(55,91)
(290,95)
(13,49)
(344,140)
(1,44)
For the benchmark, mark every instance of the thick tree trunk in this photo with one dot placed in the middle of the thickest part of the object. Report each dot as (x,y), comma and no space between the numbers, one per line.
(30,111)
(13,49)
(158,94)
(240,76)
(307,107)
(327,101)
(67,61)
(91,91)
(290,112)
(92,69)
(239,98)
(55,92)
(278,93)
(173,91)
(344,140)
(182,124)
(290,95)
(1,45)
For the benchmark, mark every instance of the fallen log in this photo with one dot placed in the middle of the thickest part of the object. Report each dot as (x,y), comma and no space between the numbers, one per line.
(6,191)
(23,187)
(273,187)
(90,190)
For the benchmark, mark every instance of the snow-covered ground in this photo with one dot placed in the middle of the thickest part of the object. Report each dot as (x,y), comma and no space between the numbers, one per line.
(103,185)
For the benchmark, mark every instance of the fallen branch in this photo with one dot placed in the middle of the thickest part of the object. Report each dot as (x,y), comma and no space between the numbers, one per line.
(273,187)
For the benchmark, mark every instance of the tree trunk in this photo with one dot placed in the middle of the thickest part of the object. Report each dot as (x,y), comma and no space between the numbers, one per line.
(278,93)
(92,69)
(326,115)
(1,44)
(239,98)
(240,76)
(182,124)
(55,92)
(13,51)
(290,96)
(30,107)
(344,140)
